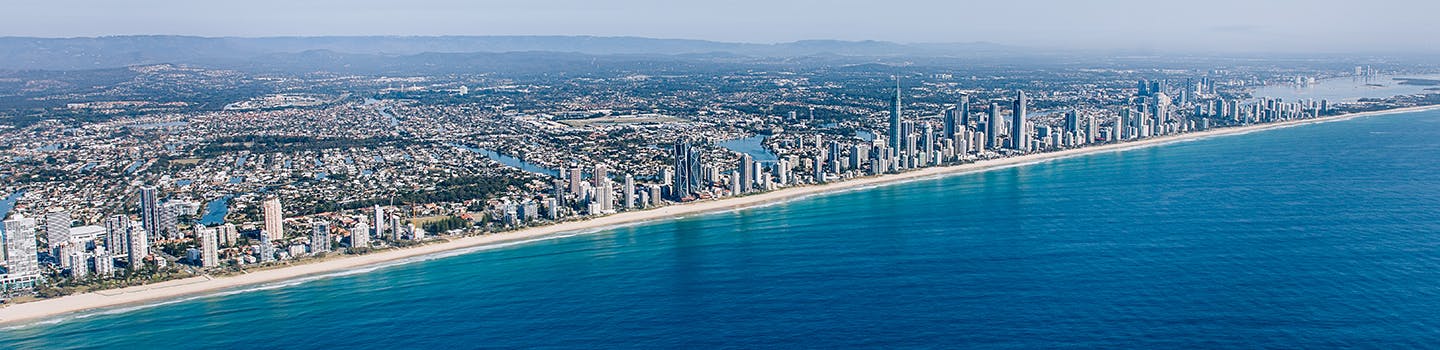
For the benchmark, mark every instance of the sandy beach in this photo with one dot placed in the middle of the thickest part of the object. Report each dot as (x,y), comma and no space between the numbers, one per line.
(43,309)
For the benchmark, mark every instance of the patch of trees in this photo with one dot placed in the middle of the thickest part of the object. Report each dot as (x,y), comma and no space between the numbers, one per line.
(446,224)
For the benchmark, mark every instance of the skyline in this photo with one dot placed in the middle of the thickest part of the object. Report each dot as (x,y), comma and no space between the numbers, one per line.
(947,161)
(1228,26)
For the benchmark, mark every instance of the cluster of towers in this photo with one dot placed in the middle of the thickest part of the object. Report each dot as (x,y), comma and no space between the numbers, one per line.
(962,133)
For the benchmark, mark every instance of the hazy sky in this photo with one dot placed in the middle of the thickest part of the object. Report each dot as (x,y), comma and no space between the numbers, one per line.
(1208,25)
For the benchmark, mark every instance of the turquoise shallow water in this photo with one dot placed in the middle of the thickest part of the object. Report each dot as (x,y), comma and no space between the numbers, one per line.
(1318,236)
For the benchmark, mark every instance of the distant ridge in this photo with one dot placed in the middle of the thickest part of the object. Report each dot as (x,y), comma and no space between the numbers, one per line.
(29,53)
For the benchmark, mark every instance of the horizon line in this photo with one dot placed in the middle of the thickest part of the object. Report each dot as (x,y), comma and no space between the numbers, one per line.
(1141,50)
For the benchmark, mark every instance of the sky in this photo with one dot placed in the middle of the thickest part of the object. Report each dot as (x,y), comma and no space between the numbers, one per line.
(1201,26)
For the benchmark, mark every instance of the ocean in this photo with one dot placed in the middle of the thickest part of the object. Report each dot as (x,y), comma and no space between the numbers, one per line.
(1315,236)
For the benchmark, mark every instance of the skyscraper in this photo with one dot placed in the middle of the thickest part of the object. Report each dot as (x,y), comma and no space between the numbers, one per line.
(1019,137)
(274,218)
(1131,124)
(170,213)
(654,192)
(22,261)
(957,118)
(139,240)
(117,235)
(895,138)
(747,173)
(149,210)
(599,175)
(379,222)
(1161,110)
(686,181)
(927,145)
(819,169)
(360,236)
(1092,127)
(833,156)
(858,153)
(319,236)
(963,112)
(575,180)
(558,194)
(764,175)
(907,142)
(528,210)
(628,191)
(227,233)
(395,227)
(604,199)
(947,129)
(1072,121)
(267,249)
(79,263)
(57,228)
(992,126)
(1117,130)
(735,183)
(782,171)
(209,247)
(104,263)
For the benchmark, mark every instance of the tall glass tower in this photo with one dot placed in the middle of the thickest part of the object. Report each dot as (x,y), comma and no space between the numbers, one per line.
(895,138)
(1019,139)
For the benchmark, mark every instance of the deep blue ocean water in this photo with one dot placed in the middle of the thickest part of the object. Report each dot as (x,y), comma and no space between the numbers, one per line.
(1318,236)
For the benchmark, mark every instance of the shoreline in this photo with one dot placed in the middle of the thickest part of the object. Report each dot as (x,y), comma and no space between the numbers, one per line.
(197,286)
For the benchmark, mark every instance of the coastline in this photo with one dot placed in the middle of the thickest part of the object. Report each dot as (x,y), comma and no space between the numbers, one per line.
(43,309)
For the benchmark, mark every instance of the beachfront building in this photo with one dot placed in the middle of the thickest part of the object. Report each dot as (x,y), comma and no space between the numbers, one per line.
(319,236)
(274,218)
(117,235)
(599,175)
(603,200)
(395,227)
(139,245)
(627,192)
(819,170)
(150,210)
(209,246)
(687,171)
(22,261)
(104,263)
(575,176)
(747,173)
(379,222)
(1019,136)
(57,228)
(266,249)
(895,119)
(992,126)
(81,240)
(360,236)
(79,263)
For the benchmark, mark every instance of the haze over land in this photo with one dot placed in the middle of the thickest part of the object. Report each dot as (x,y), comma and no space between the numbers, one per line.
(1224,26)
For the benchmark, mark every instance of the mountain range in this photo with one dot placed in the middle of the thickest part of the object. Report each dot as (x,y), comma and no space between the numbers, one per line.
(31,53)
